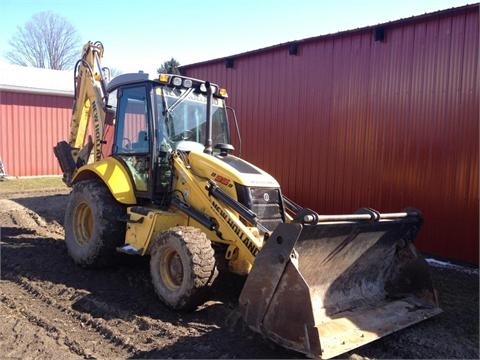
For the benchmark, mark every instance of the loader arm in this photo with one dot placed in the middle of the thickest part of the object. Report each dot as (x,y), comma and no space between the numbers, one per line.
(244,242)
(89,103)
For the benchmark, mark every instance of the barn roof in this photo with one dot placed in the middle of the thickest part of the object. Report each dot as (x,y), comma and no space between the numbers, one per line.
(408,20)
(35,80)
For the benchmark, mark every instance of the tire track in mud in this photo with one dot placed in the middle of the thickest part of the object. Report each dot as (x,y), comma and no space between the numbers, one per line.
(17,215)
(83,321)
(117,325)
(50,329)
(27,226)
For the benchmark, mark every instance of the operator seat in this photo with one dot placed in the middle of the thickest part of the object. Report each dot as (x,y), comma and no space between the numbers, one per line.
(142,142)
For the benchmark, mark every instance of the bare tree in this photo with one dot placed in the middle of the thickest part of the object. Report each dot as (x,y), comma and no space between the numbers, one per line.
(169,67)
(47,40)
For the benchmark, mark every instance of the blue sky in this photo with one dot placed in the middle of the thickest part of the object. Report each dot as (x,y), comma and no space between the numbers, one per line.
(142,34)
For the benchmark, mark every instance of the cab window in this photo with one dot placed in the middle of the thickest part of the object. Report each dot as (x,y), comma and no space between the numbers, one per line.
(132,122)
(132,143)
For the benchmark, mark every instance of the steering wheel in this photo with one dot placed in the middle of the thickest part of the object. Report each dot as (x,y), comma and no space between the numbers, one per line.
(127,142)
(185,135)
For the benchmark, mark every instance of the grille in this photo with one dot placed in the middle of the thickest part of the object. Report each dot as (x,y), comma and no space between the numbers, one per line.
(265,202)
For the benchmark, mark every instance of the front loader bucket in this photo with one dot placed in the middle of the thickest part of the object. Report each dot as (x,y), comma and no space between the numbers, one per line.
(328,288)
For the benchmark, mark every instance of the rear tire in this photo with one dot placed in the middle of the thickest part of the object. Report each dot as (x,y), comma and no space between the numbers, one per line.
(182,266)
(93,225)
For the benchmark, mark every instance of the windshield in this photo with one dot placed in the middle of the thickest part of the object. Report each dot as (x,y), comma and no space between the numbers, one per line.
(183,115)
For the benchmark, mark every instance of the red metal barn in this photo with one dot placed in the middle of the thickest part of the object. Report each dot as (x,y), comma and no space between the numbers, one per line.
(35,112)
(384,116)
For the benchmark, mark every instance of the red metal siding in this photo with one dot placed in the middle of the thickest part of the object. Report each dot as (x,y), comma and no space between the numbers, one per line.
(352,122)
(30,125)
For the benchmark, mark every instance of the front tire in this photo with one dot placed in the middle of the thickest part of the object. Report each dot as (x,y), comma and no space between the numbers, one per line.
(182,266)
(93,225)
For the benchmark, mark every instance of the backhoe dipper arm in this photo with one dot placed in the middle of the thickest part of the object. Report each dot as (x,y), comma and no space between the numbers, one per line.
(89,102)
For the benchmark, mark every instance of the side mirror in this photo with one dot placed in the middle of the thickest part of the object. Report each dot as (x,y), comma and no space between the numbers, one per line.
(110,116)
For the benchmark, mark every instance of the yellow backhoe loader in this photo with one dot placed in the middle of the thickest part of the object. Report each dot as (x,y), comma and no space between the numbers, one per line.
(152,171)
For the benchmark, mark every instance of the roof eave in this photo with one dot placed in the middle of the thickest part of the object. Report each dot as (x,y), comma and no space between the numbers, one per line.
(30,90)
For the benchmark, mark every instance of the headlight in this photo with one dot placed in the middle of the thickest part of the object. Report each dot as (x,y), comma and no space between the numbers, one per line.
(177,81)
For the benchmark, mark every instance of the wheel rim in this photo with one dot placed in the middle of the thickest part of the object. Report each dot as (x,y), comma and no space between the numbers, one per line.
(83,224)
(171,269)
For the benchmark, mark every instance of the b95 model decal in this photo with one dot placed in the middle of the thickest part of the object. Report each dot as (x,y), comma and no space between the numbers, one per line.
(222,180)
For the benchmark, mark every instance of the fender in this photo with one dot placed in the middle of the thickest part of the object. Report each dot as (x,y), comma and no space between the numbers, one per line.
(113,174)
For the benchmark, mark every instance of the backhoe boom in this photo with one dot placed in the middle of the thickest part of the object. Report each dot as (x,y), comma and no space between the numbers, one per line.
(89,103)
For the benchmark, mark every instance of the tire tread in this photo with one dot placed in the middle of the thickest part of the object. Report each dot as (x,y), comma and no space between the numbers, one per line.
(109,229)
(202,256)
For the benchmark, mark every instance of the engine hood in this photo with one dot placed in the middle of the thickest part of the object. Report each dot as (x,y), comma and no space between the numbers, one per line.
(229,170)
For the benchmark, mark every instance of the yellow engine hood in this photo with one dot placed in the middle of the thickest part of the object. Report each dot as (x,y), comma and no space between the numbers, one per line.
(230,169)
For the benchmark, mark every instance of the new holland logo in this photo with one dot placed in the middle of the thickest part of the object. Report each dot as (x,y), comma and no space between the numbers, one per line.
(266,197)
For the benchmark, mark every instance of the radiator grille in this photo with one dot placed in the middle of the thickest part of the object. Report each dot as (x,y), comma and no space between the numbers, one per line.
(265,202)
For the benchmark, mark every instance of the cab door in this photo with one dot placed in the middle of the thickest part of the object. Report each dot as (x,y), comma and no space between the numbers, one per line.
(132,142)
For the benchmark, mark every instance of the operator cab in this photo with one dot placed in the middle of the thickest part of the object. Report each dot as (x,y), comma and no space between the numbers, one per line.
(154,117)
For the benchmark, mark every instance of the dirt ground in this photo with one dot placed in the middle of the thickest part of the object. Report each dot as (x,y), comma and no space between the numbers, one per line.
(51,308)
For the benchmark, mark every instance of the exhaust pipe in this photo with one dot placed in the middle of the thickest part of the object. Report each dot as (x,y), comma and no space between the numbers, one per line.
(208,141)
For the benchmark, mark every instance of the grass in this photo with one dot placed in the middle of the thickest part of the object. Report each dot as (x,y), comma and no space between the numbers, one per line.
(36,184)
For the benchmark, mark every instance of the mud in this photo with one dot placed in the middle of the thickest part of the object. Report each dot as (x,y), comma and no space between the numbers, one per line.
(51,308)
